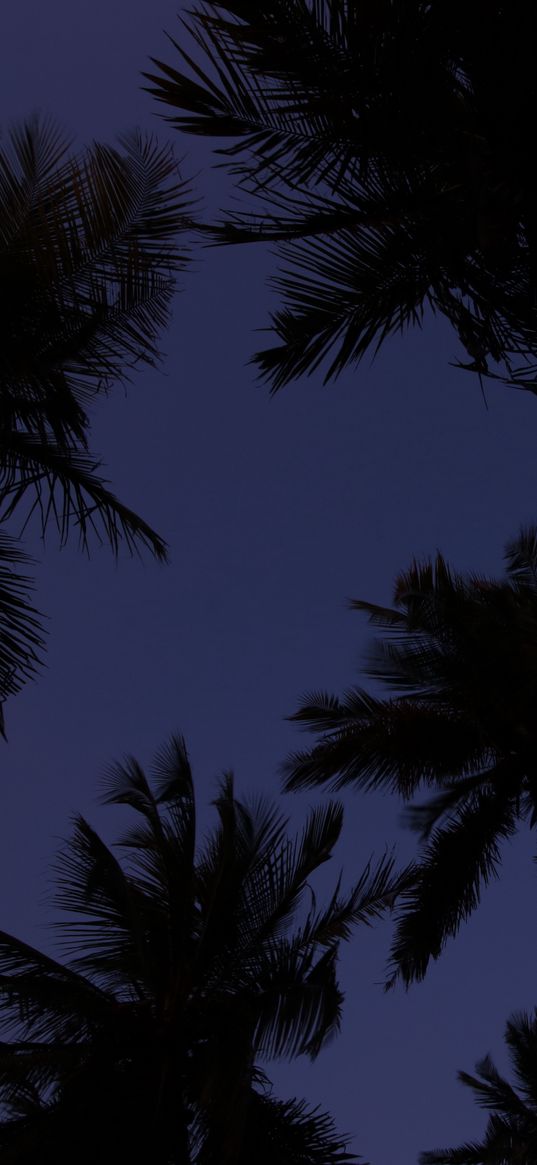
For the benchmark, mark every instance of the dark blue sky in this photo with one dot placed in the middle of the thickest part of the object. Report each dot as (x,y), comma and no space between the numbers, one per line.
(276,511)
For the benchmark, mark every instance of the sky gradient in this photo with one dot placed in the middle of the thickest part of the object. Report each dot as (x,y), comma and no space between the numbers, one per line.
(276,512)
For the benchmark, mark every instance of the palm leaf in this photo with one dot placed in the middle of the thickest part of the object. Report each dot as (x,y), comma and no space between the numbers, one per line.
(287,1131)
(44,999)
(107,937)
(21,633)
(374,743)
(249,89)
(461,858)
(67,492)
(521,557)
(298,1004)
(521,1040)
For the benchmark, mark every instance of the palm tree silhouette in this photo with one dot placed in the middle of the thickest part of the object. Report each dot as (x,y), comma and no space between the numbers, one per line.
(184,969)
(88,256)
(88,253)
(511,1134)
(457,663)
(382,146)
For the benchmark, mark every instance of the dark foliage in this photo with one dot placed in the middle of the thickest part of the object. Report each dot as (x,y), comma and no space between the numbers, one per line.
(511,1134)
(88,254)
(458,664)
(384,147)
(88,257)
(184,968)
(21,634)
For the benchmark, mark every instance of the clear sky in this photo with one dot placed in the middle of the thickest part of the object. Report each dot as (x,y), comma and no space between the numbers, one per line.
(276,512)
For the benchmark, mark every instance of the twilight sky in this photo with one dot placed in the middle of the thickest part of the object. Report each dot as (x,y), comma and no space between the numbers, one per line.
(276,512)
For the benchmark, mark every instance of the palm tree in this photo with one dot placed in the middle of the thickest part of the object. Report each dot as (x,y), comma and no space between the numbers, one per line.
(383,147)
(511,1134)
(183,969)
(88,254)
(457,665)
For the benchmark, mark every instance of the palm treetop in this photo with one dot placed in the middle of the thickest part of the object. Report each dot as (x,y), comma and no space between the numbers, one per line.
(510,1136)
(383,148)
(456,664)
(183,967)
(89,251)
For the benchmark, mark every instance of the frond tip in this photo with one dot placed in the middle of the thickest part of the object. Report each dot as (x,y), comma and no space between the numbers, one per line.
(21,629)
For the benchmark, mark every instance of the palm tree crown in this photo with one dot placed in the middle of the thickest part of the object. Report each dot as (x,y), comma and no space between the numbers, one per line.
(88,258)
(184,969)
(458,660)
(383,146)
(88,253)
(511,1133)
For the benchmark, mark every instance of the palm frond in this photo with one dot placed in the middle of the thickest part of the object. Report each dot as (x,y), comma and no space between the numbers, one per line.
(21,628)
(249,89)
(43,998)
(249,880)
(521,557)
(291,1133)
(160,846)
(105,935)
(66,491)
(492,1091)
(459,794)
(376,891)
(298,1004)
(373,743)
(275,886)
(320,834)
(95,238)
(461,858)
(342,295)
(521,1040)
(470,1153)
